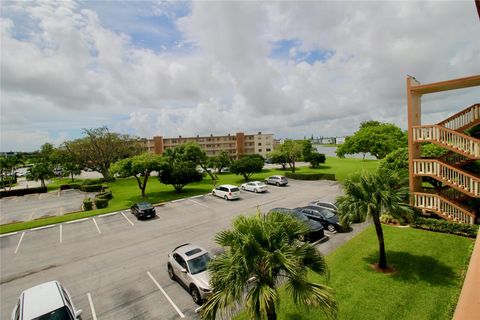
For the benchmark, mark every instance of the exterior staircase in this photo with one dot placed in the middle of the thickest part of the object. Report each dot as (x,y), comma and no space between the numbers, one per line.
(456,182)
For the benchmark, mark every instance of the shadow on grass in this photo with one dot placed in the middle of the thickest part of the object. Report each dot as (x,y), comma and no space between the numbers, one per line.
(414,268)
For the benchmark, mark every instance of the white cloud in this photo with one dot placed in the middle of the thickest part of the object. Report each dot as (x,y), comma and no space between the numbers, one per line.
(69,71)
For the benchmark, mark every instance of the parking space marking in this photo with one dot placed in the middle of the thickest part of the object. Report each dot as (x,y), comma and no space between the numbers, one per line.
(44,227)
(61,233)
(123,214)
(75,221)
(96,225)
(8,234)
(19,241)
(92,308)
(200,204)
(166,295)
(109,214)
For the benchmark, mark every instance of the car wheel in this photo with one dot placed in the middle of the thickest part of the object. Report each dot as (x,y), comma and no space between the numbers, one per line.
(277,184)
(255,190)
(331,228)
(301,237)
(213,193)
(225,197)
(195,295)
(170,272)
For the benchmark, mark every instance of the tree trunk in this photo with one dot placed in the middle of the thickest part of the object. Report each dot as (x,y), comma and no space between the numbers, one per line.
(271,314)
(382,263)
(140,185)
(72,175)
(106,174)
(42,183)
(293,167)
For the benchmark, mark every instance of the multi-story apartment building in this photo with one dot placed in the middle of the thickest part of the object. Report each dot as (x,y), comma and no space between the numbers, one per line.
(236,145)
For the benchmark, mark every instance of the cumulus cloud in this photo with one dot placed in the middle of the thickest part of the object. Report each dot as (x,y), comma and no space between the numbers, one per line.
(67,66)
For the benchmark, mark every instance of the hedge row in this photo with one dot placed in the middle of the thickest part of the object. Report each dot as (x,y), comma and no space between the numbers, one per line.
(466,230)
(100,201)
(310,176)
(81,187)
(21,192)
(8,181)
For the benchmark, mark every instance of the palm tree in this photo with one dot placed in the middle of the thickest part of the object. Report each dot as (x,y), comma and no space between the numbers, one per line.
(368,195)
(262,253)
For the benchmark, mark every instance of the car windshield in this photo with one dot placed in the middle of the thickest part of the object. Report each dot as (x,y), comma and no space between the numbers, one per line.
(328,214)
(199,264)
(300,216)
(58,314)
(144,205)
(234,189)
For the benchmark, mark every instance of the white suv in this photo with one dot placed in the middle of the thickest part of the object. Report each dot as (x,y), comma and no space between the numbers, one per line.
(277,180)
(227,192)
(46,301)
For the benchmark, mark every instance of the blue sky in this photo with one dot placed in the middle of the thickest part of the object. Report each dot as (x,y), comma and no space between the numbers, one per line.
(185,68)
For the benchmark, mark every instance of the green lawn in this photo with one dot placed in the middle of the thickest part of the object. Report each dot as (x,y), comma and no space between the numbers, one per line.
(126,192)
(430,271)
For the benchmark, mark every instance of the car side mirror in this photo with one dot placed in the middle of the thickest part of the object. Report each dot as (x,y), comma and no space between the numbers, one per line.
(78,313)
(183,270)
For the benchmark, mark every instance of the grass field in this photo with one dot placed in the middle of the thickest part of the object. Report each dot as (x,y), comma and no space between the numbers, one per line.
(126,192)
(430,270)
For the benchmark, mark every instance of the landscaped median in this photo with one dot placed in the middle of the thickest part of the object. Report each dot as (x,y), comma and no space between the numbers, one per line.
(430,268)
(125,191)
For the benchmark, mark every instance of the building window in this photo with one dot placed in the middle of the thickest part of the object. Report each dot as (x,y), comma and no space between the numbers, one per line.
(268,150)
(259,143)
(259,150)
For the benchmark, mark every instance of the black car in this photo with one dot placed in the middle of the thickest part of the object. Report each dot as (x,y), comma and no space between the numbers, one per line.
(143,210)
(316,228)
(326,217)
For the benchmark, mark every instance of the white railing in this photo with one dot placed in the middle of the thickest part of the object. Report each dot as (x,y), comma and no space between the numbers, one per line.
(449,138)
(450,175)
(463,118)
(445,208)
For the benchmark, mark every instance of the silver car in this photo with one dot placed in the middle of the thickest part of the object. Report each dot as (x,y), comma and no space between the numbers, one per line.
(277,180)
(187,263)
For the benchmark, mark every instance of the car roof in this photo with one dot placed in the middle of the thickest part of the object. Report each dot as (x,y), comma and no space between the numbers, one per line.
(42,299)
(228,186)
(257,182)
(185,249)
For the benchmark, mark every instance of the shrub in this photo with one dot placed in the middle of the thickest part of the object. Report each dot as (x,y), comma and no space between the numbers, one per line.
(101,203)
(65,187)
(310,176)
(444,226)
(75,185)
(87,204)
(107,195)
(86,182)
(8,181)
(91,188)
(388,219)
(21,192)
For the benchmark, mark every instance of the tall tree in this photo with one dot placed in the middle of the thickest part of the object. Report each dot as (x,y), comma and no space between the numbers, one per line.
(100,148)
(368,195)
(179,173)
(140,166)
(276,156)
(247,165)
(261,253)
(291,151)
(219,162)
(41,170)
(376,138)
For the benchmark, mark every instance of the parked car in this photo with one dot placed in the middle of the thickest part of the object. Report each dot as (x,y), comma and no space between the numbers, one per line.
(143,210)
(187,264)
(325,216)
(316,228)
(46,301)
(325,204)
(277,180)
(255,186)
(227,192)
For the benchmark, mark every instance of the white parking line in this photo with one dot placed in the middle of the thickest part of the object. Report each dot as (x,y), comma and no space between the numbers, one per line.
(20,241)
(61,233)
(123,214)
(109,214)
(200,204)
(166,295)
(8,234)
(92,308)
(96,225)
(75,221)
(44,227)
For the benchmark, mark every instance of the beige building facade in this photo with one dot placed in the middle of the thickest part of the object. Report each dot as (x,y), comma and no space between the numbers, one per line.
(236,145)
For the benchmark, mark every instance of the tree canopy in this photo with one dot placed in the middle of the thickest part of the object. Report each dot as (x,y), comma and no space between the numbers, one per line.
(179,174)
(291,151)
(262,253)
(376,138)
(247,165)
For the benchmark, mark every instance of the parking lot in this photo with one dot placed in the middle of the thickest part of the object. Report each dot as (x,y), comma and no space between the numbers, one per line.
(115,266)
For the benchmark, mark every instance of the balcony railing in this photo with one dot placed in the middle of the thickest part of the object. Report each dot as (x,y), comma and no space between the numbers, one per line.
(462,119)
(455,141)
(463,181)
(443,207)
(454,158)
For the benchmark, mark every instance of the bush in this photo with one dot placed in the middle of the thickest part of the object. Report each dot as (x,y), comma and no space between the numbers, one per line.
(87,204)
(65,187)
(90,182)
(92,188)
(8,181)
(388,219)
(466,230)
(22,192)
(310,176)
(107,195)
(101,203)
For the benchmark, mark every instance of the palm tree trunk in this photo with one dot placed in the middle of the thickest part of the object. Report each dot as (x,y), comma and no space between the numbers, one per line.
(382,263)
(271,314)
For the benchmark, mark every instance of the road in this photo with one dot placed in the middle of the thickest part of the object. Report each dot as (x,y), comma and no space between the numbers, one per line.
(120,263)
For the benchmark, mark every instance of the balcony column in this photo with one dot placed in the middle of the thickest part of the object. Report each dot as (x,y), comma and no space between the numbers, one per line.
(414,119)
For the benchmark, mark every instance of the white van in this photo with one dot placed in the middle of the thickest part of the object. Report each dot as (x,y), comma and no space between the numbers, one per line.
(47,301)
(227,192)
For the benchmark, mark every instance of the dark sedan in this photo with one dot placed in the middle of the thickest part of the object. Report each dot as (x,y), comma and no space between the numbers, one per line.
(316,228)
(143,210)
(326,217)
